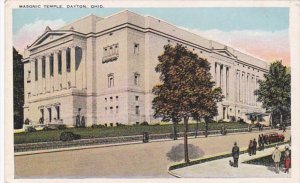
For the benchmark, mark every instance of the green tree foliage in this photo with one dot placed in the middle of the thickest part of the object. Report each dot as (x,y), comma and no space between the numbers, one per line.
(18,83)
(186,90)
(275,92)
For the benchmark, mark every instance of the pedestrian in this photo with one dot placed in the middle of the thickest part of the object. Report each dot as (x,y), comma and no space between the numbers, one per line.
(250,146)
(262,142)
(254,146)
(276,158)
(259,142)
(235,155)
(287,159)
(283,128)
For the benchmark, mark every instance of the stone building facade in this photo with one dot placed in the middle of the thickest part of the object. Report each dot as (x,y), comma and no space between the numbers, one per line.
(102,69)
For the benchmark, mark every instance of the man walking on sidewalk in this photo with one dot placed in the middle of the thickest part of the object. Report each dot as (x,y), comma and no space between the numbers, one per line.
(276,158)
(235,154)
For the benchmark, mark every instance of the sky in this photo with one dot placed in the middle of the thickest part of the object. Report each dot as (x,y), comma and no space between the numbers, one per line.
(261,32)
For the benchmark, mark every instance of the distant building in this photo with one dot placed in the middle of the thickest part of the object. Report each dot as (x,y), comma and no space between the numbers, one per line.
(102,69)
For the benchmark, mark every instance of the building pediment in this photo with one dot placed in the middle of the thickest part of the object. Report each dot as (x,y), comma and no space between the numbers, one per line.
(225,52)
(47,37)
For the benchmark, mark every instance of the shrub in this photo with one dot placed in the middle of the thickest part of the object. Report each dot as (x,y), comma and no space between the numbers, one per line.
(120,124)
(220,121)
(98,126)
(31,129)
(240,120)
(156,124)
(232,119)
(145,123)
(47,128)
(61,127)
(68,136)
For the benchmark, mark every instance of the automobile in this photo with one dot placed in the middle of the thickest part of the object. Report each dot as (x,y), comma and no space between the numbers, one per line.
(273,137)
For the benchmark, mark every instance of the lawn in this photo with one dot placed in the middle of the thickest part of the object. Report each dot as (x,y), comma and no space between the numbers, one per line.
(53,135)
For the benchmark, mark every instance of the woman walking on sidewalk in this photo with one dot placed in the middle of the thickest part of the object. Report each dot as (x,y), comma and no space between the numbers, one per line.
(287,160)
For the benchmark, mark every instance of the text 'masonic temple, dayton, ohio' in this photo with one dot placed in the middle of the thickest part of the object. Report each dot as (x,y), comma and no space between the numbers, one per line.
(102,69)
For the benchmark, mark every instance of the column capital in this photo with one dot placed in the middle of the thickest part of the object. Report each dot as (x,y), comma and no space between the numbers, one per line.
(73,45)
(56,51)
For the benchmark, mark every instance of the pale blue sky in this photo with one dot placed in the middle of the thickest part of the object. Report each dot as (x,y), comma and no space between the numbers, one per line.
(225,19)
(262,32)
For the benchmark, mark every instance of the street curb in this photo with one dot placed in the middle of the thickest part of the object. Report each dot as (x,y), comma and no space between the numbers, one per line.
(174,174)
(112,145)
(213,158)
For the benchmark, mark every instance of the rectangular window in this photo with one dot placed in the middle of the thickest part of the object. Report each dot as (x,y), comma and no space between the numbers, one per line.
(59,62)
(105,100)
(42,113)
(43,67)
(111,110)
(105,110)
(116,49)
(117,98)
(110,80)
(57,112)
(136,79)
(117,109)
(36,70)
(51,65)
(105,52)
(137,110)
(136,48)
(136,98)
(111,51)
(68,57)
(50,114)
(111,99)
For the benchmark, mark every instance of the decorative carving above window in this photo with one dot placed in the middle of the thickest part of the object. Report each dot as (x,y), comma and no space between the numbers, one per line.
(110,53)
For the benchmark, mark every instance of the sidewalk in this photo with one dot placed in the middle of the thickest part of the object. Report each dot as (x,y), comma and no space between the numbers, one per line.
(221,169)
(122,144)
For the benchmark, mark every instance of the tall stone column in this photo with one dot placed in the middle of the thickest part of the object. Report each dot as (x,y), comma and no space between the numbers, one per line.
(40,79)
(256,87)
(212,68)
(47,74)
(217,75)
(237,94)
(224,80)
(73,66)
(55,70)
(64,68)
(84,85)
(244,87)
(32,77)
(253,89)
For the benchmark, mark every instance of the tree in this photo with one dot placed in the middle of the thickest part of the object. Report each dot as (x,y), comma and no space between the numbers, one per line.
(275,92)
(18,83)
(186,90)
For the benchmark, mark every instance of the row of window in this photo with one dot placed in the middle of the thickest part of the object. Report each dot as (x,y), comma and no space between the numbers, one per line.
(59,57)
(111,81)
(117,99)
(111,110)
(111,52)
(57,117)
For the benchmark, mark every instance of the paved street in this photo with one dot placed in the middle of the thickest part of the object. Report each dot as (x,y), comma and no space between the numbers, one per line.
(135,160)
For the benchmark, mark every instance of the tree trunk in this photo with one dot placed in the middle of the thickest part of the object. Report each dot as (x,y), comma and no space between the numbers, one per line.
(206,127)
(196,132)
(174,131)
(186,153)
(280,117)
